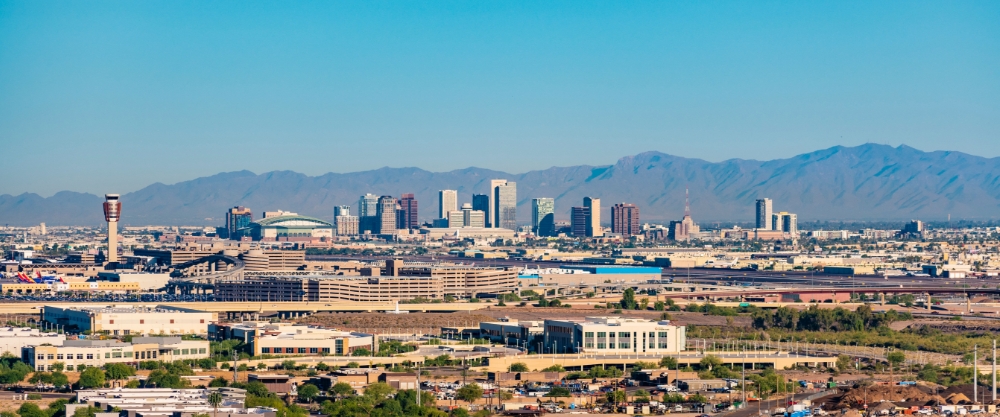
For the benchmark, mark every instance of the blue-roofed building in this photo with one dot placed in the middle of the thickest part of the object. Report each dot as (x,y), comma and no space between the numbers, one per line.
(590,275)
(616,269)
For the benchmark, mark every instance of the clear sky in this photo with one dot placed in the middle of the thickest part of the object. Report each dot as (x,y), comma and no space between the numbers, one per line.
(112,96)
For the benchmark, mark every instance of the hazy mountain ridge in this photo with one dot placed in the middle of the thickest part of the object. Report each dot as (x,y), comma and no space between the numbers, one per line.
(868,182)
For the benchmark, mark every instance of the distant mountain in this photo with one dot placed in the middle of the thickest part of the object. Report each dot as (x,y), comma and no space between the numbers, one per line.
(868,182)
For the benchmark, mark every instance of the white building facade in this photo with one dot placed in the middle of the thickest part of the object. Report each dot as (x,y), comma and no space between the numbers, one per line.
(615,335)
(12,339)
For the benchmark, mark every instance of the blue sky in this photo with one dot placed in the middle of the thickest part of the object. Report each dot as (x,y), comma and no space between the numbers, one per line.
(112,96)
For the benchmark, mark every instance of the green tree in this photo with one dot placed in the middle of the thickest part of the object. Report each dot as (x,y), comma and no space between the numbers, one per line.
(554,368)
(118,371)
(710,361)
(642,396)
(469,392)
(58,367)
(668,362)
(843,363)
(308,392)
(31,410)
(322,367)
(628,300)
(378,391)
(342,389)
(895,358)
(257,389)
(218,382)
(59,379)
(92,377)
(559,392)
(361,352)
(215,399)
(615,397)
(288,364)
(85,412)
(518,367)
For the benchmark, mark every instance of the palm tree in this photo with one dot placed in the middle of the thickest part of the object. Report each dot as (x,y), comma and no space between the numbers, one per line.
(215,399)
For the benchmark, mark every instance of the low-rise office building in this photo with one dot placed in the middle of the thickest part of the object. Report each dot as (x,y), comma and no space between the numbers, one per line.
(614,335)
(128,319)
(513,332)
(13,339)
(74,354)
(283,339)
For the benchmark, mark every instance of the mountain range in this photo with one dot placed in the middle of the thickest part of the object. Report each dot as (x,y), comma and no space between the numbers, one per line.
(867,182)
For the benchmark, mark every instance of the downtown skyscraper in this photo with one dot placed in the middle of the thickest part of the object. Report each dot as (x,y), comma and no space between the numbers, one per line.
(764,213)
(543,221)
(447,203)
(503,204)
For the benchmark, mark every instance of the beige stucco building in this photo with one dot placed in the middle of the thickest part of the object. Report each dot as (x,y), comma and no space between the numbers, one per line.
(128,319)
(76,353)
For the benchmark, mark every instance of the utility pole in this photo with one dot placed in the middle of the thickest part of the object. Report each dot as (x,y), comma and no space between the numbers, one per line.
(975,374)
(994,371)
(418,386)
(236,374)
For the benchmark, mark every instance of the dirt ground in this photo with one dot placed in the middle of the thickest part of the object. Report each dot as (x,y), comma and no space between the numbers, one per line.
(412,323)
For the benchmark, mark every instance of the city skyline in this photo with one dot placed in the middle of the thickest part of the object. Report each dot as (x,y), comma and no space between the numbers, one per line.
(870,182)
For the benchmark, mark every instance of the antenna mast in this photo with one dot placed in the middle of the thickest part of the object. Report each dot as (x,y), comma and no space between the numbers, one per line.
(687,204)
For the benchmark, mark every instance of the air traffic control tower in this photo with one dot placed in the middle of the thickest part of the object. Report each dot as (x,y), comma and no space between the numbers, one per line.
(112,212)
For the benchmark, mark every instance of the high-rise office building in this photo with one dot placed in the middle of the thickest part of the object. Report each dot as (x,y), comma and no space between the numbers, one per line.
(785,222)
(543,217)
(368,214)
(625,220)
(914,227)
(466,217)
(481,202)
(112,213)
(594,217)
(408,207)
(386,215)
(368,205)
(237,218)
(579,221)
(503,204)
(447,202)
(341,211)
(764,213)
